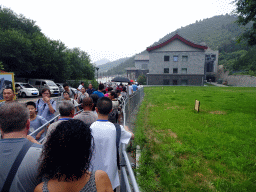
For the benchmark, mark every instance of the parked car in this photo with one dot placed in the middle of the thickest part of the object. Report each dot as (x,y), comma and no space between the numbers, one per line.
(25,89)
(40,84)
(61,88)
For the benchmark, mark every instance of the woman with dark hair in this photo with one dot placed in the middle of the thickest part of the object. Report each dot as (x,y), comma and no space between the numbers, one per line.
(63,168)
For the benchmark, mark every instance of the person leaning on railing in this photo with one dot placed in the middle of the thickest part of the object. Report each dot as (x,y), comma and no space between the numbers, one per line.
(62,168)
(67,111)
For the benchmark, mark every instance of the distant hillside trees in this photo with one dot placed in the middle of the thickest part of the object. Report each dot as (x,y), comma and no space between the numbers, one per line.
(246,14)
(27,52)
(120,69)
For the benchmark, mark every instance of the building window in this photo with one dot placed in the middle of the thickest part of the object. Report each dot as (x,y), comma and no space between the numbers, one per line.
(166,70)
(166,82)
(183,70)
(175,82)
(209,66)
(208,57)
(166,58)
(184,58)
(144,66)
(175,58)
(184,82)
(175,70)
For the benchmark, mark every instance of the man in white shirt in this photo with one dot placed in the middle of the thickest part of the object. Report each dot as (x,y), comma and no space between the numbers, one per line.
(104,134)
(80,87)
(130,89)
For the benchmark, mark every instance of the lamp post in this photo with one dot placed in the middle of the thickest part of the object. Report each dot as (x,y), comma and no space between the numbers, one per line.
(97,68)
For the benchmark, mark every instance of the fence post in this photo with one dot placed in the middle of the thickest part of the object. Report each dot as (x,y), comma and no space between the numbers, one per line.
(122,182)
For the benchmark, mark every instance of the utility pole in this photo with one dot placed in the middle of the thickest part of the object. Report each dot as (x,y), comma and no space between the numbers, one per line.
(97,68)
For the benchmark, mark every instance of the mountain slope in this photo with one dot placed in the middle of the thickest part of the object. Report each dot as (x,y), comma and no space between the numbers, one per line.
(109,65)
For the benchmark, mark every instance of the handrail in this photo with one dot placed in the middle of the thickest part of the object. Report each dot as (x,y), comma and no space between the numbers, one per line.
(130,171)
(124,157)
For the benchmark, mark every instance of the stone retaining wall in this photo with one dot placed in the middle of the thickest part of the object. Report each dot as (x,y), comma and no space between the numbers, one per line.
(239,80)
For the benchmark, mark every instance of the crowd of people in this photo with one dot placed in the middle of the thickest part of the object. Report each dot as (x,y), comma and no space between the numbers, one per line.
(78,152)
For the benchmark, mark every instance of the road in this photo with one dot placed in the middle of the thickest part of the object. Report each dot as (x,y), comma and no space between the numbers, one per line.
(34,99)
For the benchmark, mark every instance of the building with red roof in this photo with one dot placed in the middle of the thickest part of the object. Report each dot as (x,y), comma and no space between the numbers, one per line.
(178,61)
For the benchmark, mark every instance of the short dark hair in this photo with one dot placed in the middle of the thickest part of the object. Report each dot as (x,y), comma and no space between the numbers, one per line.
(87,101)
(101,86)
(124,89)
(113,93)
(9,88)
(95,98)
(110,89)
(31,103)
(82,82)
(104,105)
(65,85)
(66,92)
(46,89)
(59,159)
(66,108)
(13,117)
(129,83)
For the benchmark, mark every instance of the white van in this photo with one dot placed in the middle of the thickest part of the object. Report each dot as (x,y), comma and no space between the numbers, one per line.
(25,89)
(40,84)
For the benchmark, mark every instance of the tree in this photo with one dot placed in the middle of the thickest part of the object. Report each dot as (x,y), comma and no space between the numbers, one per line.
(1,65)
(142,80)
(246,11)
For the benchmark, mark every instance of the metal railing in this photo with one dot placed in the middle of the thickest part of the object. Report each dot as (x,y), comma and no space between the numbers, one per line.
(130,107)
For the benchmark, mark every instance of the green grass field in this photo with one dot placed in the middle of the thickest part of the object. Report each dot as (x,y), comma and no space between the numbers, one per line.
(183,150)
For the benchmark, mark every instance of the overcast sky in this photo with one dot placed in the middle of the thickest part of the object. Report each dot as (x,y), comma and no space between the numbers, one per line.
(114,29)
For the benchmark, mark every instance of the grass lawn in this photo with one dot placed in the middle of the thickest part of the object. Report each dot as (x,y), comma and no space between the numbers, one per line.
(183,150)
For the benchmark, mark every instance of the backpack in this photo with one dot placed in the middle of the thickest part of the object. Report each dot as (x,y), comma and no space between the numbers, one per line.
(118,136)
(73,92)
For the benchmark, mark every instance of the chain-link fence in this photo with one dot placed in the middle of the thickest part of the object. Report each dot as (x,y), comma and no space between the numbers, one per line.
(131,105)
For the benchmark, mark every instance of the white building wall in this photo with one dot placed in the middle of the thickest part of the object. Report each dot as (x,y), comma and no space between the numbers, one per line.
(177,45)
(194,65)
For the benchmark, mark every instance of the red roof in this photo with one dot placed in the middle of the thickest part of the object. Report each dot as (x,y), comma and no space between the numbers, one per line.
(181,39)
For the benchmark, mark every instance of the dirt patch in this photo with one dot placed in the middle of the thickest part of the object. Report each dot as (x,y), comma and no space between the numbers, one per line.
(183,157)
(218,112)
(173,107)
(169,132)
(150,105)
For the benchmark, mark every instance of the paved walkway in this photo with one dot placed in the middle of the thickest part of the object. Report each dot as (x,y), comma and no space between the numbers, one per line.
(219,85)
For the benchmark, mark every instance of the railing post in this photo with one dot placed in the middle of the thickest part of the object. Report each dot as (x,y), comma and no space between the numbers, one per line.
(122,182)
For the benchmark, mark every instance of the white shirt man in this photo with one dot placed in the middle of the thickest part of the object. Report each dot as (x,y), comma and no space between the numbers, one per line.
(104,134)
(130,89)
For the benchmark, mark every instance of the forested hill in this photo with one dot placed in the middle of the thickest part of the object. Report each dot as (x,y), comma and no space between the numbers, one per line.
(215,31)
(109,65)
(219,33)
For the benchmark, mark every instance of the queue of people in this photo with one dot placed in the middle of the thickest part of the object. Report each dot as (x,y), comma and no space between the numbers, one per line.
(79,153)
